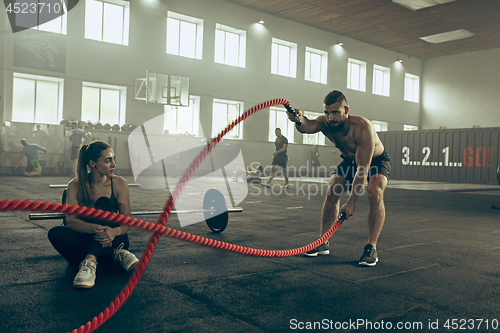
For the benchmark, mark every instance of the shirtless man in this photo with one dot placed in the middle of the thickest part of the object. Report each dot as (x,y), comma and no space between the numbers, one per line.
(364,158)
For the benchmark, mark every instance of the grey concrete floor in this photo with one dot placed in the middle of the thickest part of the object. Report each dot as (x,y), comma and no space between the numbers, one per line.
(439,261)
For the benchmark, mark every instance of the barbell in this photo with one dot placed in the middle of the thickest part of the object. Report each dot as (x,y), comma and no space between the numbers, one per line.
(66,185)
(214,210)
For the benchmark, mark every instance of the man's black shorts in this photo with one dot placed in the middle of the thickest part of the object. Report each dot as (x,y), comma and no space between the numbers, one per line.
(380,165)
(280,160)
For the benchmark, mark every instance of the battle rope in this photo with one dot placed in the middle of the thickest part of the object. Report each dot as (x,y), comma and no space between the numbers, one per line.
(159,229)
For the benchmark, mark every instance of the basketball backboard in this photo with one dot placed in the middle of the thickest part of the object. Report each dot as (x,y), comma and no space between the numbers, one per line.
(163,88)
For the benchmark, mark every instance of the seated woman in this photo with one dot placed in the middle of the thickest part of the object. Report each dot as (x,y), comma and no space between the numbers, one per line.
(83,240)
(251,175)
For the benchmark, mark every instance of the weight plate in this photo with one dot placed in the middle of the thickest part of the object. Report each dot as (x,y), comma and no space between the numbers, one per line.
(216,215)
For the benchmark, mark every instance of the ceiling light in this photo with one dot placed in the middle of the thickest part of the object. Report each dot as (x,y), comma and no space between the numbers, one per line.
(419,4)
(261,22)
(400,61)
(339,44)
(447,36)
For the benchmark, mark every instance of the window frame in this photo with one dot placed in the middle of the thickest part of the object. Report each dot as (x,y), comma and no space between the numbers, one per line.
(238,128)
(276,46)
(37,78)
(361,78)
(241,48)
(198,39)
(382,126)
(122,101)
(90,20)
(386,81)
(323,65)
(62,29)
(415,88)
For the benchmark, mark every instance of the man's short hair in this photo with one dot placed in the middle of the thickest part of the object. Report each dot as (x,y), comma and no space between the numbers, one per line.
(334,97)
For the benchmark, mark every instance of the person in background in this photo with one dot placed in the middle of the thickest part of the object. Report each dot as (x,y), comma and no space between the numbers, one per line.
(30,150)
(76,136)
(279,158)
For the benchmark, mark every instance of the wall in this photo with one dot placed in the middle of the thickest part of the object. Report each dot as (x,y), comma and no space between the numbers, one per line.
(98,62)
(461,91)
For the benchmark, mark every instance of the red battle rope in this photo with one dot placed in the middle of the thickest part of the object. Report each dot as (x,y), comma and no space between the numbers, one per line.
(159,229)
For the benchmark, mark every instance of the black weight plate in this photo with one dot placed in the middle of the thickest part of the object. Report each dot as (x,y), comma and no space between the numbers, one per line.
(216,220)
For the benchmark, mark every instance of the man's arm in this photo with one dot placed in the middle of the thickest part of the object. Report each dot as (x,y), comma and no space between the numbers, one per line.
(42,148)
(71,138)
(19,161)
(308,126)
(284,148)
(364,152)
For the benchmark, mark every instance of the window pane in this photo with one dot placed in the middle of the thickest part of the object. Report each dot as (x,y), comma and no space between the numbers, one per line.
(173,28)
(188,39)
(186,124)
(93,19)
(90,104)
(315,67)
(113,24)
(283,60)
(232,48)
(54,25)
(307,74)
(274,59)
(170,119)
(23,102)
(110,106)
(47,97)
(219,46)
(219,118)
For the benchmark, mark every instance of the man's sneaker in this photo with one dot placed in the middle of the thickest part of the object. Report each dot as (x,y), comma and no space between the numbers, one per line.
(322,249)
(85,278)
(369,257)
(127,259)
(265,185)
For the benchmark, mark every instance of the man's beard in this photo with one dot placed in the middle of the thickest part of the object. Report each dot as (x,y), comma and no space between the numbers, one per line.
(337,127)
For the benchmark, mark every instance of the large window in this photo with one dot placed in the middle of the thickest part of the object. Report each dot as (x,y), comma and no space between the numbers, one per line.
(411,87)
(283,58)
(356,74)
(279,118)
(58,23)
(183,119)
(37,99)
(224,113)
(230,46)
(316,138)
(381,80)
(107,21)
(103,103)
(316,65)
(184,36)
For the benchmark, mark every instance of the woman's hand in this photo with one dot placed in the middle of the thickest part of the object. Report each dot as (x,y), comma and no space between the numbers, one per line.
(105,235)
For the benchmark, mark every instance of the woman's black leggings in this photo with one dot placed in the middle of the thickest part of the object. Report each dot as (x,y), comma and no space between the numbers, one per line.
(75,246)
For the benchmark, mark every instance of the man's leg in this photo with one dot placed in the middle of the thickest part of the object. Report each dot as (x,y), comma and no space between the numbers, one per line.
(331,206)
(285,173)
(271,176)
(376,218)
(376,215)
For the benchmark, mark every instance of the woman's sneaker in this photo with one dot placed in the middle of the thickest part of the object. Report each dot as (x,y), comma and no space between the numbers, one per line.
(369,257)
(322,249)
(85,278)
(127,259)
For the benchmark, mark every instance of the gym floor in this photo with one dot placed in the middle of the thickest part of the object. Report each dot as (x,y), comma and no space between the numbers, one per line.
(439,266)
